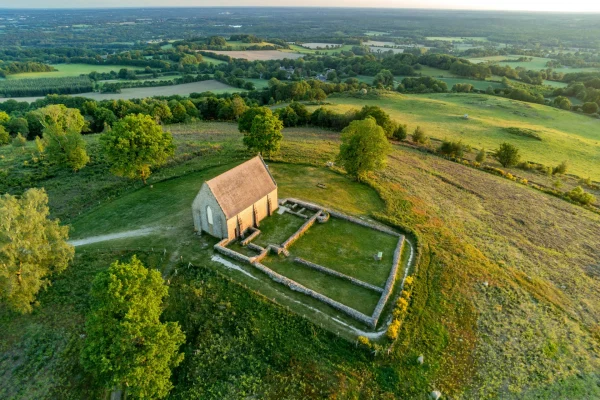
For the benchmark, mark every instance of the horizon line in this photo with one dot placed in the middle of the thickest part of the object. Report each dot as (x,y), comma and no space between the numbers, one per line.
(301,7)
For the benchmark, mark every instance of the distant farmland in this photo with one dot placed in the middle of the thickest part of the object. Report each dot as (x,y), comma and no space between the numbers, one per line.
(138,93)
(259,55)
(64,70)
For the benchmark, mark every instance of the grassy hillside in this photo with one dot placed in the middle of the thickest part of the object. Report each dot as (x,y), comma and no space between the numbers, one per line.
(565,135)
(506,302)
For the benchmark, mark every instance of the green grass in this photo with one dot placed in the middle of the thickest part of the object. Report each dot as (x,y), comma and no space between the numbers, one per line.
(212,60)
(277,228)
(456,38)
(348,248)
(566,136)
(258,83)
(361,299)
(304,50)
(70,70)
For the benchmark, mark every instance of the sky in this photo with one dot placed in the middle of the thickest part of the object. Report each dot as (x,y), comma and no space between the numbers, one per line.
(529,5)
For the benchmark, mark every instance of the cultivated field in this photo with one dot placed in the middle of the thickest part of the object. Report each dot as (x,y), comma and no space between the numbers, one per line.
(457,39)
(259,55)
(70,70)
(565,135)
(137,93)
(375,49)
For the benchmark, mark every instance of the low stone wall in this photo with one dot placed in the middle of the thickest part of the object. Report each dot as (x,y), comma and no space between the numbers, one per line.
(309,292)
(389,285)
(332,272)
(233,254)
(251,237)
(256,247)
(290,211)
(314,207)
(300,231)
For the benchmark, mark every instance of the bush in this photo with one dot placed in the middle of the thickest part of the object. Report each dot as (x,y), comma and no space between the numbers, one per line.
(419,136)
(401,132)
(393,329)
(590,108)
(452,149)
(507,155)
(530,133)
(580,196)
(481,156)
(19,141)
(560,168)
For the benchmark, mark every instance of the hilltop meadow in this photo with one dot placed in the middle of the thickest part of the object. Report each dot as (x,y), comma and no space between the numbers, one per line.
(507,277)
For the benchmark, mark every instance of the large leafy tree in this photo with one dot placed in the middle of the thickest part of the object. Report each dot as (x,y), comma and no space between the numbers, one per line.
(127,347)
(62,136)
(32,248)
(364,148)
(135,145)
(265,135)
(247,117)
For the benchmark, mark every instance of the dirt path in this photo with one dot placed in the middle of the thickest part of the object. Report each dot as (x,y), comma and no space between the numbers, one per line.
(112,236)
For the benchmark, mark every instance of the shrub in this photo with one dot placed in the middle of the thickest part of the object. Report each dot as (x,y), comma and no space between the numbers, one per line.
(393,329)
(401,132)
(419,136)
(580,196)
(560,168)
(507,155)
(453,149)
(19,141)
(364,341)
(481,156)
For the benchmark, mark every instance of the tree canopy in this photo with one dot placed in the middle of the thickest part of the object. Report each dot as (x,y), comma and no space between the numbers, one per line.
(62,136)
(507,155)
(126,346)
(265,135)
(247,117)
(135,145)
(32,248)
(364,148)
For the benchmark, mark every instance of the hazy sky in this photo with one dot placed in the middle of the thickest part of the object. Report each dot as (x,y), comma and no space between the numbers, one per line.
(534,5)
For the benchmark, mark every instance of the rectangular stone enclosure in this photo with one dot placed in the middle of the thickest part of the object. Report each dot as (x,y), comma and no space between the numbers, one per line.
(348,258)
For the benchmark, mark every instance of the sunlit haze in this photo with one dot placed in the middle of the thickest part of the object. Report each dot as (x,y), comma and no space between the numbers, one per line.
(531,5)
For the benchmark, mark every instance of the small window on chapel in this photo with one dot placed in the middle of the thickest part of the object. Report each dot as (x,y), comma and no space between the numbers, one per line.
(209,215)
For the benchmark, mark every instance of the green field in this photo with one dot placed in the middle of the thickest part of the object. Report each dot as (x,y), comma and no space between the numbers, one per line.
(304,50)
(70,70)
(538,63)
(258,83)
(457,39)
(212,60)
(566,136)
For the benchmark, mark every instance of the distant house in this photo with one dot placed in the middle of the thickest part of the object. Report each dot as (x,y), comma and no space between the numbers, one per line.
(236,200)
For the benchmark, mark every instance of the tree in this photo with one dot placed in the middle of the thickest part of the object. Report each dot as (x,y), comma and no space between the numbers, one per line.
(18,125)
(384,78)
(32,248)
(265,134)
(179,113)
(4,118)
(238,106)
(287,115)
(562,102)
(4,136)
(381,117)
(162,112)
(507,155)
(452,149)
(62,136)
(590,107)
(419,136)
(126,346)
(135,145)
(247,118)
(364,148)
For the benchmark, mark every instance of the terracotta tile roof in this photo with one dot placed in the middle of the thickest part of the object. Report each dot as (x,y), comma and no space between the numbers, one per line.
(242,186)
